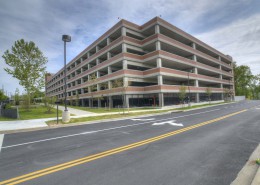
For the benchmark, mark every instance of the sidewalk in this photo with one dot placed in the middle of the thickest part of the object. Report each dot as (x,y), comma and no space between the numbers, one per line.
(77,112)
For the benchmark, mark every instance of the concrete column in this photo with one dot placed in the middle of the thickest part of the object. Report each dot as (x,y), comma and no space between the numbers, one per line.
(108,41)
(159,62)
(161,100)
(108,55)
(126,101)
(99,102)
(157,29)
(195,70)
(124,50)
(194,57)
(98,74)
(88,66)
(109,70)
(220,67)
(89,102)
(193,45)
(125,81)
(196,83)
(97,61)
(158,45)
(88,54)
(124,64)
(98,87)
(197,97)
(82,102)
(81,59)
(219,58)
(110,101)
(160,80)
(221,85)
(123,31)
(222,96)
(97,49)
(109,85)
(220,76)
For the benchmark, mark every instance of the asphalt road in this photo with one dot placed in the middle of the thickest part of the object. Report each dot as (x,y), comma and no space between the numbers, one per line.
(205,146)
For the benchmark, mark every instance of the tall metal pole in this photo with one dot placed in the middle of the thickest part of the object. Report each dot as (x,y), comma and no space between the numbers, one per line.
(189,87)
(65,114)
(65,77)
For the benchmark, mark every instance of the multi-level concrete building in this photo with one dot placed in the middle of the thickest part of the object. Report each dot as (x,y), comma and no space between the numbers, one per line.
(151,61)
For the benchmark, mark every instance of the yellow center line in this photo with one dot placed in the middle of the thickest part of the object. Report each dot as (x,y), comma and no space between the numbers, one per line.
(86,159)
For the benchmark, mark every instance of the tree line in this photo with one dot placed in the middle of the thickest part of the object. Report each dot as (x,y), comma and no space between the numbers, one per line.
(246,84)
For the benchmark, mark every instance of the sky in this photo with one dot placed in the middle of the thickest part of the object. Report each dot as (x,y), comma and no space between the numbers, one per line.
(232,27)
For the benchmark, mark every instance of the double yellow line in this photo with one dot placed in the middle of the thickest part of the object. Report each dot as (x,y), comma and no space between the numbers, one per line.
(87,159)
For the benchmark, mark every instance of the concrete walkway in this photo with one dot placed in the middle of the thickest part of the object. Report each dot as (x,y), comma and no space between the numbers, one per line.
(76,112)
(23,124)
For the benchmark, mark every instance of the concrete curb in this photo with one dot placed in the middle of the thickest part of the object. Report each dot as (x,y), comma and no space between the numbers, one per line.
(250,173)
(256,180)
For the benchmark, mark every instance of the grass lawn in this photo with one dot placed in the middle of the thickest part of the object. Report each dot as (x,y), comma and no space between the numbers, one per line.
(36,113)
(105,110)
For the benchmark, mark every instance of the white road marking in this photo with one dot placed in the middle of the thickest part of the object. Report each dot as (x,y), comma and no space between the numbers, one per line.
(102,130)
(171,122)
(142,119)
(1,141)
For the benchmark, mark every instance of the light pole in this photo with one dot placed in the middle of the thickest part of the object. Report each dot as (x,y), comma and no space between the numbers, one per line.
(65,114)
(189,87)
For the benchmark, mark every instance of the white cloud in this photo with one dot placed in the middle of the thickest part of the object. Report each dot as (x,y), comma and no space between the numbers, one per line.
(45,21)
(240,40)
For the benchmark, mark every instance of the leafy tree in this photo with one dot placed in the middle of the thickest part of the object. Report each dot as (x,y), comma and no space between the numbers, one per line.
(26,63)
(254,87)
(93,88)
(182,93)
(49,104)
(2,96)
(208,92)
(119,83)
(243,78)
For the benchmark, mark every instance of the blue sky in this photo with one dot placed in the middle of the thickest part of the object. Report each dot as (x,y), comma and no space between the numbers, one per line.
(232,27)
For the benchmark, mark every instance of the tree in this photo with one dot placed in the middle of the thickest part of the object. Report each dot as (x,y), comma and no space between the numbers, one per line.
(93,79)
(182,93)
(27,64)
(2,96)
(119,83)
(49,104)
(208,92)
(242,78)
(254,87)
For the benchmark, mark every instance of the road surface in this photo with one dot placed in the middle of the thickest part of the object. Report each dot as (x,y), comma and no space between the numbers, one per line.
(205,146)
